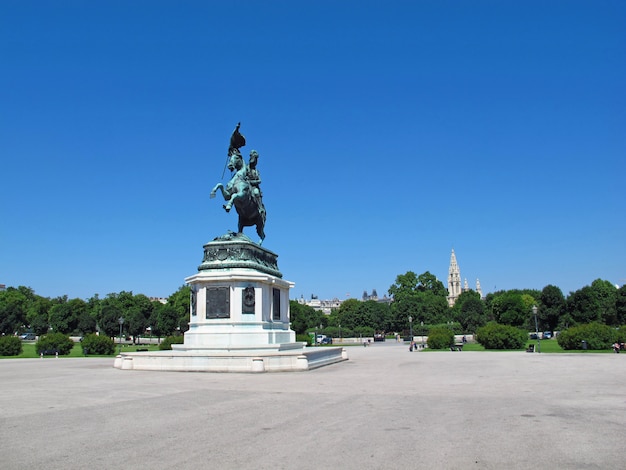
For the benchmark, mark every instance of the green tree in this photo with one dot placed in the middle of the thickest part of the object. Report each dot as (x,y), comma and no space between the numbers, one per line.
(552,307)
(180,301)
(423,298)
(620,305)
(138,316)
(13,308)
(167,320)
(606,296)
(469,311)
(428,282)
(349,315)
(65,314)
(513,308)
(303,317)
(38,315)
(582,306)
(379,314)
(110,311)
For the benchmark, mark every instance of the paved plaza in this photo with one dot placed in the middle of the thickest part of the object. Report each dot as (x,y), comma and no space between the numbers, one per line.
(384,408)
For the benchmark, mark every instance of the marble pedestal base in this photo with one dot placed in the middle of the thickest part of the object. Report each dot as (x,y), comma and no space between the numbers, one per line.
(233,360)
(239,319)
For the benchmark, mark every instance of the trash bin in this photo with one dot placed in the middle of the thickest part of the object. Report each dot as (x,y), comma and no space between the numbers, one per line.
(584,344)
(85,351)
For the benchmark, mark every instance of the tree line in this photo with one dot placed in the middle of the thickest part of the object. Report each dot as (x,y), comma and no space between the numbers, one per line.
(22,310)
(422,298)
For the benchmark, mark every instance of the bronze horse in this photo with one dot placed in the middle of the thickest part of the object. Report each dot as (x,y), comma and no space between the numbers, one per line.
(239,193)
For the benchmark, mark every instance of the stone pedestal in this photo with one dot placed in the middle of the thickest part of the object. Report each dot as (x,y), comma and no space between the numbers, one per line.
(237,308)
(239,318)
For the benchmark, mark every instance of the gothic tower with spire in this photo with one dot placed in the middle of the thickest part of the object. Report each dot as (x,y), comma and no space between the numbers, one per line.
(454,280)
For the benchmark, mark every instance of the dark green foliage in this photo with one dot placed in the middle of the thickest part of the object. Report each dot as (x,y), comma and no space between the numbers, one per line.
(621,334)
(496,336)
(595,303)
(552,307)
(596,335)
(54,342)
(167,320)
(440,338)
(423,298)
(10,346)
(100,345)
(509,308)
(620,305)
(65,315)
(167,342)
(364,331)
(180,302)
(469,311)
(304,317)
(109,314)
(304,339)
(13,307)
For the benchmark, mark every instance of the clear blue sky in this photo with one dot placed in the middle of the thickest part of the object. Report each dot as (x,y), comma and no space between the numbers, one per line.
(389,133)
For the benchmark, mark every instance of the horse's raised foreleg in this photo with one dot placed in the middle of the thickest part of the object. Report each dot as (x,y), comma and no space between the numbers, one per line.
(219,186)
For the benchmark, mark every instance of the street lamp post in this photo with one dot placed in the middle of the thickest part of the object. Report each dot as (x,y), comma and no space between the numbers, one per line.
(537,329)
(411,327)
(121,322)
(422,332)
(340,338)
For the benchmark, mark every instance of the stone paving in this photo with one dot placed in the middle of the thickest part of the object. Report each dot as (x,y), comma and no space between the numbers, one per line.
(384,408)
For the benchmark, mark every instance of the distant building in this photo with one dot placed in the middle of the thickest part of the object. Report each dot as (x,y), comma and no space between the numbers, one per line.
(454,282)
(325,306)
(374,296)
(163,300)
(3,287)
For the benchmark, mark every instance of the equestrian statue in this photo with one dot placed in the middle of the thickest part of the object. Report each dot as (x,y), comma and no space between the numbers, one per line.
(243,190)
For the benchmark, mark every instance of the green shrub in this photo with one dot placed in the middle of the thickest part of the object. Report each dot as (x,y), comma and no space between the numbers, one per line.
(496,336)
(440,337)
(54,342)
(304,338)
(167,342)
(95,344)
(364,331)
(621,334)
(10,346)
(597,336)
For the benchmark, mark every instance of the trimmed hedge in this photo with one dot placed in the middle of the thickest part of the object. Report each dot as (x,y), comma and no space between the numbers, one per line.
(440,337)
(96,344)
(167,342)
(10,346)
(54,342)
(596,335)
(304,338)
(496,336)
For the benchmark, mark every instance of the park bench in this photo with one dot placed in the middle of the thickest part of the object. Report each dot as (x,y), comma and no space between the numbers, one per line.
(456,347)
(49,352)
(530,348)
